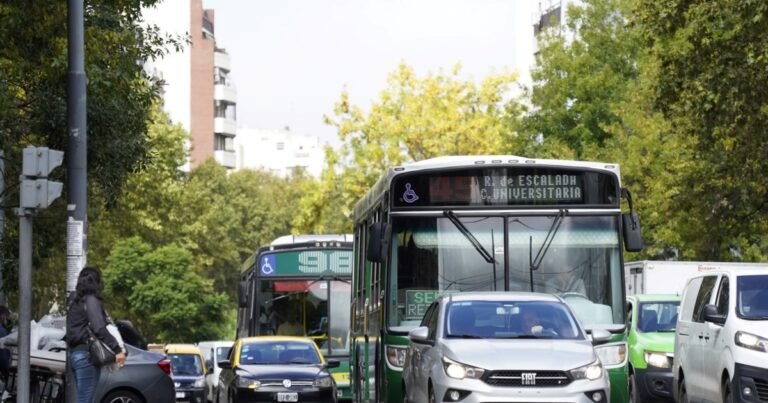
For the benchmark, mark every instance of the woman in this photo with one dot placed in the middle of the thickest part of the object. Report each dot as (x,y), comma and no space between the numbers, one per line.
(86,310)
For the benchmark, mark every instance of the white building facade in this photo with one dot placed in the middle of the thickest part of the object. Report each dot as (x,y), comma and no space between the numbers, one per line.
(279,151)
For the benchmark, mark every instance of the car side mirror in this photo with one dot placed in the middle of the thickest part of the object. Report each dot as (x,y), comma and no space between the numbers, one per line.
(599,336)
(419,335)
(711,315)
(332,363)
(208,366)
(225,364)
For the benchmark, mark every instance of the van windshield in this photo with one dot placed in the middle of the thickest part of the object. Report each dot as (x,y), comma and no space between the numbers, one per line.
(752,294)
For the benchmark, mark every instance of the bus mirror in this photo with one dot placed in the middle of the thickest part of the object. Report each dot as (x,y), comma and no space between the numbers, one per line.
(242,294)
(376,242)
(633,237)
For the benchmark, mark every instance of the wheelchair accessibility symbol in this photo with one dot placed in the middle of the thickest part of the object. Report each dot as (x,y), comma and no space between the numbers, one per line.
(268,265)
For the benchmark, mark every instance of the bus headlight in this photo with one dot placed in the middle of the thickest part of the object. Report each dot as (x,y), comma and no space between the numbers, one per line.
(591,372)
(396,355)
(654,359)
(612,355)
(751,341)
(460,371)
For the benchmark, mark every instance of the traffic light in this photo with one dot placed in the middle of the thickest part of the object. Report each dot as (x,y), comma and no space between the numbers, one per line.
(37,192)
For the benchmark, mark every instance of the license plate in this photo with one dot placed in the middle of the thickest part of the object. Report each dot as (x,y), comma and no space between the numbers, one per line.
(179,395)
(287,397)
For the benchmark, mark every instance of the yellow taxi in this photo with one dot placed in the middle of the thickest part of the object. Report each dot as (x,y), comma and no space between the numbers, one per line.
(188,371)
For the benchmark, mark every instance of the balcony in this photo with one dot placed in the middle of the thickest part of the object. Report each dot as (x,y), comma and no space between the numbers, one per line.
(221,60)
(225,126)
(226,158)
(225,93)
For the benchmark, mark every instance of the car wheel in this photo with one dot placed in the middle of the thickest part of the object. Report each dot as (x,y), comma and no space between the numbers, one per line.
(122,396)
(683,393)
(431,394)
(634,394)
(727,392)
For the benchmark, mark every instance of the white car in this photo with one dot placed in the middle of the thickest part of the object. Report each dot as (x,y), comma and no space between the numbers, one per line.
(503,347)
(213,352)
(721,340)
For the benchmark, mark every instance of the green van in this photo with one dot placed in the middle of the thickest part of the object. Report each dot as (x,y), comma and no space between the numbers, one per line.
(651,325)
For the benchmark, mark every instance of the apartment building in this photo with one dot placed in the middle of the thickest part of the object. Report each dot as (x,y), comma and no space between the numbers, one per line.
(198,92)
(280,151)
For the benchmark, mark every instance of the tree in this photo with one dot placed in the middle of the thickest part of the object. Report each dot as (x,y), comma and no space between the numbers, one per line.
(161,294)
(712,59)
(415,118)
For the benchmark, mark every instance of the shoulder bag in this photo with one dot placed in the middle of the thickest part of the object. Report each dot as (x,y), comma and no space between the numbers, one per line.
(101,354)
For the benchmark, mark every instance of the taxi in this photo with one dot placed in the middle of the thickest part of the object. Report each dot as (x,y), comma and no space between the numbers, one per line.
(276,368)
(188,371)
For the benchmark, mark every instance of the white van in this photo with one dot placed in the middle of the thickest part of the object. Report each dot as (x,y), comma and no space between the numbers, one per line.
(721,340)
(214,351)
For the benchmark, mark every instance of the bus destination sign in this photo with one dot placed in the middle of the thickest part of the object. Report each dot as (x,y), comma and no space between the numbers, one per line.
(504,186)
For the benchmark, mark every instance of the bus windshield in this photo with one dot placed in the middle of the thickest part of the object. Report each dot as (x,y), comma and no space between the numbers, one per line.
(578,259)
(317,309)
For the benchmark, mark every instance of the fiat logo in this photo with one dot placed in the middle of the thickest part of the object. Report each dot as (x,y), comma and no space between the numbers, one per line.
(287,383)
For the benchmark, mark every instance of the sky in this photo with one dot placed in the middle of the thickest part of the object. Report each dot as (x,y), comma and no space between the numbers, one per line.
(291,59)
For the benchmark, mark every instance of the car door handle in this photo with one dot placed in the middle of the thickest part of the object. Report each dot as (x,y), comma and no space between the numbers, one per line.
(701,336)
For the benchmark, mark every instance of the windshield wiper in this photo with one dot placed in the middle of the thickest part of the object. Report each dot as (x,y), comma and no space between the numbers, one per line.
(465,336)
(522,336)
(464,231)
(536,262)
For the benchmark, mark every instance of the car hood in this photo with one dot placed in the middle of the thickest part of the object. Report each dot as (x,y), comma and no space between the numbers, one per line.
(281,371)
(662,342)
(497,354)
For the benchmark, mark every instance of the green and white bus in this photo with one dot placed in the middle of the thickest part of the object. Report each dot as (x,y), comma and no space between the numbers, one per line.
(300,286)
(486,223)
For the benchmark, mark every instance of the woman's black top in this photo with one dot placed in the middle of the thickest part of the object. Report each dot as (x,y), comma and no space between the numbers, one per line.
(78,318)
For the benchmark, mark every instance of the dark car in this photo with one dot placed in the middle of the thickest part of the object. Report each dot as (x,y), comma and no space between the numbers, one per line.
(276,369)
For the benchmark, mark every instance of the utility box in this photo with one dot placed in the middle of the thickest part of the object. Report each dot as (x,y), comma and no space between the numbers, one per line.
(669,277)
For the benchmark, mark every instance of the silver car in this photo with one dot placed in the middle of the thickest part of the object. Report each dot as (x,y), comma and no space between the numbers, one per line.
(503,347)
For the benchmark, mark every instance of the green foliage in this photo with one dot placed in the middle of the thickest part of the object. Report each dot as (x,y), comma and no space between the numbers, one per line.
(159,292)
(713,59)
(415,118)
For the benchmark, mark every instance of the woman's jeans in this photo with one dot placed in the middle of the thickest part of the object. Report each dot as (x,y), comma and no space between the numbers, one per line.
(86,375)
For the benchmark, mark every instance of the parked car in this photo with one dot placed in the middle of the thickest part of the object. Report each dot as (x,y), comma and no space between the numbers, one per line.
(651,339)
(213,352)
(480,347)
(144,378)
(276,369)
(188,371)
(721,341)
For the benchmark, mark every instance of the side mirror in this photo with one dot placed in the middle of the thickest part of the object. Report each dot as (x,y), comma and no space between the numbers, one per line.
(332,363)
(242,294)
(633,237)
(208,366)
(711,315)
(599,336)
(377,239)
(419,335)
(225,364)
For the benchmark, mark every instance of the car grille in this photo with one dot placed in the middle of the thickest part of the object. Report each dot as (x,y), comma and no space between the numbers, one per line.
(762,389)
(279,382)
(527,378)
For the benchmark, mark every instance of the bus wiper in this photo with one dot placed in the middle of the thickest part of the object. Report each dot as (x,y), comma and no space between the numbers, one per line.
(464,231)
(536,262)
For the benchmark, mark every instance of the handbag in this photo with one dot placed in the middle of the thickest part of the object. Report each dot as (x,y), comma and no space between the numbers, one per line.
(101,354)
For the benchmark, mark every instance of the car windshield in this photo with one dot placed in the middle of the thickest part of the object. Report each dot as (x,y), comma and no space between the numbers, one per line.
(278,353)
(510,320)
(658,316)
(186,364)
(752,294)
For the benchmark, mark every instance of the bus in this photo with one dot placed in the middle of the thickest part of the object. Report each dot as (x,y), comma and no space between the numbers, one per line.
(300,285)
(486,223)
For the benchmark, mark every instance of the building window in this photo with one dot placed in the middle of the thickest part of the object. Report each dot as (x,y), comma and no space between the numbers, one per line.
(223,143)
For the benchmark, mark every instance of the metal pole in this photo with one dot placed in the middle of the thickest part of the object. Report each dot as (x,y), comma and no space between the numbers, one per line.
(77,158)
(2,224)
(25,305)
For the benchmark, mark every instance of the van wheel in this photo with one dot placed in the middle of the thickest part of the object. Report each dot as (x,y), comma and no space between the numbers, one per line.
(634,393)
(683,393)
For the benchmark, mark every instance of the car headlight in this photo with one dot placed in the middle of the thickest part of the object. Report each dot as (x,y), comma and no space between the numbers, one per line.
(247,383)
(199,382)
(324,382)
(751,341)
(658,360)
(613,354)
(396,355)
(460,371)
(591,372)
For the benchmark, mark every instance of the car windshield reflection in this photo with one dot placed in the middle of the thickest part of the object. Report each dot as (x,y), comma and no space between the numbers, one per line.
(510,320)
(278,353)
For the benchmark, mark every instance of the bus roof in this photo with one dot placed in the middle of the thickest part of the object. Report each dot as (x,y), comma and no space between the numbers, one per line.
(293,239)
(468,161)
